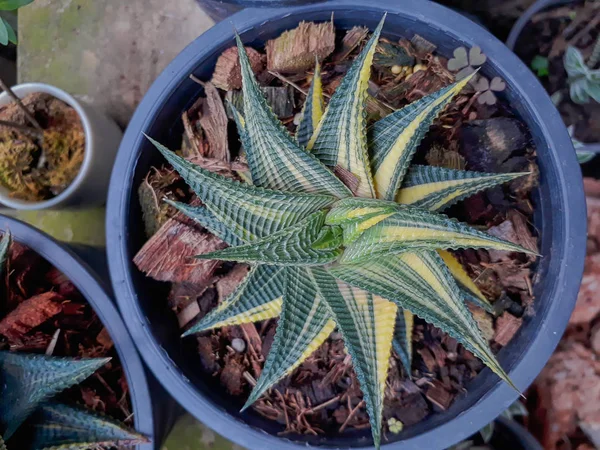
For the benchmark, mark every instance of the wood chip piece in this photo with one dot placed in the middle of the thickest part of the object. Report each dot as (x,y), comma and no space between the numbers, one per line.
(295,50)
(439,395)
(227,74)
(30,314)
(104,339)
(506,327)
(352,39)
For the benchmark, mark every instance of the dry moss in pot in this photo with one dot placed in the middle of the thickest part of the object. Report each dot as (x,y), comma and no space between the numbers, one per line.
(70,374)
(328,220)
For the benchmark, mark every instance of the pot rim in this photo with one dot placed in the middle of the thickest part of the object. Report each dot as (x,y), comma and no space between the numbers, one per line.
(500,396)
(24,89)
(88,284)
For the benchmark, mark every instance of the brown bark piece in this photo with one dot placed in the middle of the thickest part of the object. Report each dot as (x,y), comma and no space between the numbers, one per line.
(104,339)
(168,254)
(352,39)
(484,321)
(439,395)
(213,120)
(506,327)
(227,74)
(295,50)
(31,313)
(588,299)
(232,377)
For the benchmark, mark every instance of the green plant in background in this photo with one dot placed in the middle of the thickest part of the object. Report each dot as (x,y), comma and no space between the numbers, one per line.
(540,65)
(7,34)
(584,81)
(361,255)
(29,420)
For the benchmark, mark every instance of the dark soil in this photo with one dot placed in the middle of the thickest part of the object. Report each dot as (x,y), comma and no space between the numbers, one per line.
(322,396)
(548,35)
(40,302)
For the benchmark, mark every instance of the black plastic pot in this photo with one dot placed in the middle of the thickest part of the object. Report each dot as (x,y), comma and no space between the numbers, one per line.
(509,434)
(559,203)
(220,9)
(90,287)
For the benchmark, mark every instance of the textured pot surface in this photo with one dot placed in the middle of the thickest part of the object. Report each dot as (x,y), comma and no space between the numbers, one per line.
(559,204)
(94,293)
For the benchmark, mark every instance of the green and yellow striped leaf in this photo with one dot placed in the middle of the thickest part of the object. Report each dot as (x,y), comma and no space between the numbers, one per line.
(4,248)
(414,228)
(203,217)
(367,323)
(402,342)
(420,283)
(395,138)
(436,188)
(248,212)
(289,247)
(275,159)
(305,323)
(258,297)
(470,290)
(60,427)
(313,108)
(28,380)
(341,136)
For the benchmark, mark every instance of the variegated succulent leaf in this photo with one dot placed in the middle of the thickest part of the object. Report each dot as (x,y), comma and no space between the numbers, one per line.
(258,297)
(275,159)
(250,212)
(289,247)
(341,137)
(437,188)
(313,108)
(418,281)
(394,139)
(4,249)
(54,426)
(321,257)
(305,323)
(28,380)
(366,322)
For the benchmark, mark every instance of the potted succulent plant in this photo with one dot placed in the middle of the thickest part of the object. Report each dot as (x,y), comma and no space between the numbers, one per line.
(303,215)
(558,39)
(51,340)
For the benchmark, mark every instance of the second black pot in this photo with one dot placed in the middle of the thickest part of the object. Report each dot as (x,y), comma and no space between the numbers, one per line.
(559,204)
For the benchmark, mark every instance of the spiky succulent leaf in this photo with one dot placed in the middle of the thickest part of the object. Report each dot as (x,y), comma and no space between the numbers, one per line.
(275,159)
(436,188)
(206,219)
(470,290)
(249,212)
(413,228)
(4,249)
(258,297)
(304,325)
(291,246)
(312,111)
(28,380)
(420,283)
(366,322)
(402,342)
(55,426)
(395,138)
(340,138)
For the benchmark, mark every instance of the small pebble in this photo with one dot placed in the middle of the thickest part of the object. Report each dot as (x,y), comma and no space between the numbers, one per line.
(238,345)
(396,69)
(418,67)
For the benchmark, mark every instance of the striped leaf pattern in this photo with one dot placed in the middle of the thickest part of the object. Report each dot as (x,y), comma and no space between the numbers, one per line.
(304,325)
(414,228)
(312,112)
(4,249)
(420,283)
(55,426)
(436,188)
(289,247)
(28,380)
(402,342)
(366,322)
(258,297)
(249,212)
(274,157)
(395,138)
(341,137)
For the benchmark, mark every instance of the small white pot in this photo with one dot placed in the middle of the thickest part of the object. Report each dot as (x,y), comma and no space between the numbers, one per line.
(102,139)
